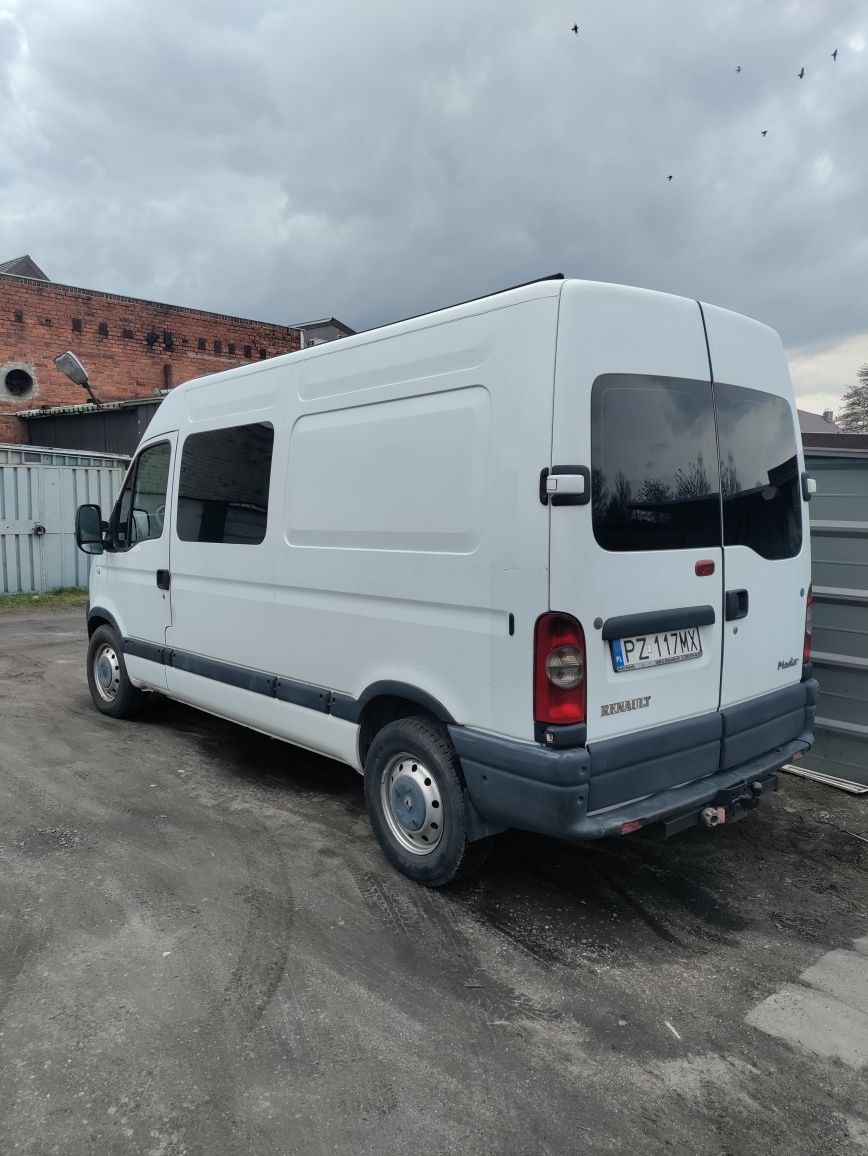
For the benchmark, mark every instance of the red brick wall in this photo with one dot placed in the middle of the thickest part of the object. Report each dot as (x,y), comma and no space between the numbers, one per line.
(125,344)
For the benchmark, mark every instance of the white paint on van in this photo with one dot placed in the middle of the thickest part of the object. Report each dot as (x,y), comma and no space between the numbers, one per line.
(409,474)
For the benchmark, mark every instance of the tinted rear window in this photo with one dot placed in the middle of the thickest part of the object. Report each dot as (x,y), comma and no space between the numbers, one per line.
(759,469)
(223,485)
(654,479)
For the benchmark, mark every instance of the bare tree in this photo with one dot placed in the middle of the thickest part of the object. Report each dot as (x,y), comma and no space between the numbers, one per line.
(729,482)
(853,414)
(692,482)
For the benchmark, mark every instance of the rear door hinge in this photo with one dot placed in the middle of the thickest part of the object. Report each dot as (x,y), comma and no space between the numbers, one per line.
(565,486)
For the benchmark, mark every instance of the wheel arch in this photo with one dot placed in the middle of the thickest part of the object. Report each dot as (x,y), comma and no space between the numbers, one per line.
(98,616)
(385,702)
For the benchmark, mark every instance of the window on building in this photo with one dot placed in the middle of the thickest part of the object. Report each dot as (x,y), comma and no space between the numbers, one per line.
(218,346)
(223,486)
(200,344)
(231,348)
(102,329)
(654,477)
(248,350)
(140,513)
(76,325)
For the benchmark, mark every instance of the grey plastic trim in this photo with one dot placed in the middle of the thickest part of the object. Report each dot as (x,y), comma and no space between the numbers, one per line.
(349,708)
(653,621)
(561,735)
(654,760)
(303,694)
(101,612)
(763,723)
(225,672)
(141,649)
(548,791)
(579,793)
(530,761)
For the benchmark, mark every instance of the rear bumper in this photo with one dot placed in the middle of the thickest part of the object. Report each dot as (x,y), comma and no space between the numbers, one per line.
(590,792)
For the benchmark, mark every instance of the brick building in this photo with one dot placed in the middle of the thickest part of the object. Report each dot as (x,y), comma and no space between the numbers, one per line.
(131,348)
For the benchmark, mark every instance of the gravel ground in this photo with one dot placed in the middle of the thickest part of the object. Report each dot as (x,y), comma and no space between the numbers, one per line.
(202,950)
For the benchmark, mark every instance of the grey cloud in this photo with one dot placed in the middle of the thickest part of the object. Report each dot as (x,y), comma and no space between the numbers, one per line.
(375,160)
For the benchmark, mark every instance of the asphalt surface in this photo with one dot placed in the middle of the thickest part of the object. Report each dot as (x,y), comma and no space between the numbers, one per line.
(202,950)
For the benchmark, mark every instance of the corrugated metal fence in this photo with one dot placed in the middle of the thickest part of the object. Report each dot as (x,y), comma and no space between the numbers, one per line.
(839,542)
(39,492)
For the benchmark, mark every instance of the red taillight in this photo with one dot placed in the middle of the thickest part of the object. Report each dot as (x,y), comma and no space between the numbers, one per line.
(809,625)
(559,670)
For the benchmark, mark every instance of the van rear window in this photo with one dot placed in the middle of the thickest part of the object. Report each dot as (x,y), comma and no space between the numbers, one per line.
(759,468)
(654,478)
(224,483)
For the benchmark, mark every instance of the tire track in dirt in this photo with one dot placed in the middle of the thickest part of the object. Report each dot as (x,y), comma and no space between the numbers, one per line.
(425,926)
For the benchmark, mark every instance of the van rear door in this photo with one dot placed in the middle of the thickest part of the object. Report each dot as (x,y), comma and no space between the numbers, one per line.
(765,533)
(640,564)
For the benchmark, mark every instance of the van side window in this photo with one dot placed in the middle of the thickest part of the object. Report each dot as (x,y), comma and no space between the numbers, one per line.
(759,469)
(223,485)
(142,505)
(654,478)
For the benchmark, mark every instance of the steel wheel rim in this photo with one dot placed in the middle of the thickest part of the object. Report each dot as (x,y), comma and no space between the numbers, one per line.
(107,672)
(412,804)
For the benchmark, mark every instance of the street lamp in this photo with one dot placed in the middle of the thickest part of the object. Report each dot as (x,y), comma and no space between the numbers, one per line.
(71,367)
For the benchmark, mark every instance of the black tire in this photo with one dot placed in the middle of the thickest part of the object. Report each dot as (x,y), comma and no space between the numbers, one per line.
(119,699)
(423,745)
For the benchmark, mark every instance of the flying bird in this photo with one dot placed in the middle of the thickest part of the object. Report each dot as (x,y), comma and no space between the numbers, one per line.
(835,55)
(764,131)
(669,178)
(802,73)
(738,69)
(575,29)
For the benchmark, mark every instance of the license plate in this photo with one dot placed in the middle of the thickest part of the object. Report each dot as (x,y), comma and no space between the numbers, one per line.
(656,649)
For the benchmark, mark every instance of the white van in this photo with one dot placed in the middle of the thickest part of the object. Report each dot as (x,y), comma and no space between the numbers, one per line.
(537,561)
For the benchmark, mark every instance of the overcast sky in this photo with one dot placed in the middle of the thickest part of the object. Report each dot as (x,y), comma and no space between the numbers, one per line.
(370,159)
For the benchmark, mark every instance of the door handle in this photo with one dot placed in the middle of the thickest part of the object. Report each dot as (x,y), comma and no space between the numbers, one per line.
(736,604)
(163,579)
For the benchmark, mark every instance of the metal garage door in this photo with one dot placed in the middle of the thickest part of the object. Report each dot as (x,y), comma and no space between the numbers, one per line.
(39,492)
(839,542)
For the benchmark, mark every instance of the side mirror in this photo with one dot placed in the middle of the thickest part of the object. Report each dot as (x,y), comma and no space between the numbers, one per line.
(88,529)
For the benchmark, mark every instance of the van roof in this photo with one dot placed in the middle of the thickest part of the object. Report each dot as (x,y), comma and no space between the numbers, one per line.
(549,286)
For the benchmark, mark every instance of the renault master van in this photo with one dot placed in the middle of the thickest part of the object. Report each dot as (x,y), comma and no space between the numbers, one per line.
(536,561)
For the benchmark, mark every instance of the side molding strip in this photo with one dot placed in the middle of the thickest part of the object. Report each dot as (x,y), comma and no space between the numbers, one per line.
(304,694)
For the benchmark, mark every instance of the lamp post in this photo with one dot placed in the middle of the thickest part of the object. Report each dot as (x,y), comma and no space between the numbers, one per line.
(71,367)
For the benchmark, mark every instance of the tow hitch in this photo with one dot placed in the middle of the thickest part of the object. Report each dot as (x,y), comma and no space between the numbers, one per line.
(728,805)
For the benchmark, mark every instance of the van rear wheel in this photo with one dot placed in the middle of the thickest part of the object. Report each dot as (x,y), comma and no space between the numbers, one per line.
(414,792)
(110,687)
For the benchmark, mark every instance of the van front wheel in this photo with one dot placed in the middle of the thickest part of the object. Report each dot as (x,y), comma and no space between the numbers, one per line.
(110,688)
(414,792)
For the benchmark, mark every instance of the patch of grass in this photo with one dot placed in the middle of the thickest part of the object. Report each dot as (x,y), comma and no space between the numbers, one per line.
(72,596)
